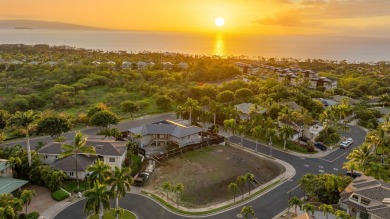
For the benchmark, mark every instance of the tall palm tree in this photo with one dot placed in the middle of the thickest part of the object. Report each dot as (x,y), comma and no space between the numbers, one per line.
(308,208)
(26,197)
(295,202)
(167,187)
(326,209)
(249,177)
(362,156)
(180,111)
(98,199)
(120,182)
(233,189)
(241,131)
(286,132)
(350,166)
(229,125)
(190,106)
(241,183)
(99,172)
(246,211)
(178,190)
(79,146)
(25,120)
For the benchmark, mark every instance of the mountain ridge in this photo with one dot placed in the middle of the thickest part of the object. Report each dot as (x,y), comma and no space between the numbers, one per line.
(48,25)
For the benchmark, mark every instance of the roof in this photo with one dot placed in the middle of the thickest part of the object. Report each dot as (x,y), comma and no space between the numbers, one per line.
(8,185)
(166,127)
(292,105)
(3,164)
(68,163)
(245,108)
(109,147)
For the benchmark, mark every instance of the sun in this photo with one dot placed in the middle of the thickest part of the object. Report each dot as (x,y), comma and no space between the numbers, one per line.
(219,21)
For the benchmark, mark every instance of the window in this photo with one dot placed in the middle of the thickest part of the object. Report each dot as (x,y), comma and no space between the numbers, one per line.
(70,173)
(56,157)
(45,156)
(111,159)
(99,147)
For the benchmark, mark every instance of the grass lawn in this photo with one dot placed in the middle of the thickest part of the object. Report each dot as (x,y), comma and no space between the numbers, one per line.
(207,172)
(71,185)
(110,215)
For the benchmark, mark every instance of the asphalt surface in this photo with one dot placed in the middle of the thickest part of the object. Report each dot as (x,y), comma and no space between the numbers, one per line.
(266,206)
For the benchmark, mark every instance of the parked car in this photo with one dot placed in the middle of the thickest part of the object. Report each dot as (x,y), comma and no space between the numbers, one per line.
(141,179)
(350,140)
(344,144)
(320,146)
(353,174)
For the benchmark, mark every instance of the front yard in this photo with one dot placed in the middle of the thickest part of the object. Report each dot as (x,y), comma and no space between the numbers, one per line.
(207,172)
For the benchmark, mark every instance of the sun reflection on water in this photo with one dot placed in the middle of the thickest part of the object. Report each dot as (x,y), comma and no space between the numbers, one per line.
(219,45)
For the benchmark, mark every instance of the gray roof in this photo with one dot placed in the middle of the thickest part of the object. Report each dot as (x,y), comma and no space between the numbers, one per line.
(377,193)
(8,185)
(109,148)
(166,127)
(381,212)
(68,163)
(245,108)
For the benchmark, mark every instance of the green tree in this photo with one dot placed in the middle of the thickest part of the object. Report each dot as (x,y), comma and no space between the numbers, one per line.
(190,105)
(342,215)
(178,190)
(243,94)
(226,96)
(98,199)
(249,177)
(25,120)
(241,183)
(26,197)
(13,162)
(286,132)
(247,211)
(120,182)
(326,209)
(103,119)
(54,125)
(362,156)
(129,106)
(4,116)
(308,208)
(295,202)
(229,126)
(350,166)
(79,146)
(164,102)
(167,187)
(378,171)
(233,189)
(100,172)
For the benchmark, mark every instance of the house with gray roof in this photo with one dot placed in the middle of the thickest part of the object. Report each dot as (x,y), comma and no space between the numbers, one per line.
(366,197)
(164,132)
(68,165)
(246,110)
(110,151)
(7,183)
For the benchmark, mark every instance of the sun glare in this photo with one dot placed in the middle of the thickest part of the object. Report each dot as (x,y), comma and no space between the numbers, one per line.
(219,21)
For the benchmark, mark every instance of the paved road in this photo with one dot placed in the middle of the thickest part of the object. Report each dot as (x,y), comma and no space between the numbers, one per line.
(92,131)
(267,206)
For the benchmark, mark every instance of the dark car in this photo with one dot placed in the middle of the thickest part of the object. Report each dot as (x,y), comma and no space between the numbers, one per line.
(320,146)
(353,174)
(141,179)
(304,139)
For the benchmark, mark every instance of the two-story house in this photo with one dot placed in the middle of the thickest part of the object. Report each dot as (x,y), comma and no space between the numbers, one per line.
(366,198)
(109,151)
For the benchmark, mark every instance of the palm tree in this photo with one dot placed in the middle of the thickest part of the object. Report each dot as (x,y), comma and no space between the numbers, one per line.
(178,190)
(98,199)
(362,156)
(295,202)
(167,187)
(120,182)
(229,125)
(99,172)
(241,130)
(335,183)
(308,208)
(214,108)
(326,209)
(13,162)
(249,177)
(26,197)
(342,214)
(25,120)
(79,146)
(378,171)
(286,132)
(246,211)
(233,189)
(119,212)
(190,106)
(241,182)
(350,166)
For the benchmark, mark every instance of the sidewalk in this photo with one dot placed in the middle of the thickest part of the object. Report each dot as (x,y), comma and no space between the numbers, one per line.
(53,210)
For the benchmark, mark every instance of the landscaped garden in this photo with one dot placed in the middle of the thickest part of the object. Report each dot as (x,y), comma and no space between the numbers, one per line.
(206,174)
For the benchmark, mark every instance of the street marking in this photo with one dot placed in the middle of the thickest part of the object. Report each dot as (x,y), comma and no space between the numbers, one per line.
(321,171)
(335,169)
(306,165)
(302,158)
(292,189)
(321,167)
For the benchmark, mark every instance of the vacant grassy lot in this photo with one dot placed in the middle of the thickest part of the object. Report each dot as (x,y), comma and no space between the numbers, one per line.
(206,174)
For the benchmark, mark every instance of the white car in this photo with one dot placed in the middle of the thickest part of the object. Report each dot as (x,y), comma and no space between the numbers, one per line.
(350,141)
(344,144)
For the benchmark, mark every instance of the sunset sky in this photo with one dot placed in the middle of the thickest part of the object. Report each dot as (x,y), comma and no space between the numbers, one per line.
(281,17)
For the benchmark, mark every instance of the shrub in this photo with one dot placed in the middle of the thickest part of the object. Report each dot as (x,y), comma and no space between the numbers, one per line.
(59,195)
(33,215)
(60,139)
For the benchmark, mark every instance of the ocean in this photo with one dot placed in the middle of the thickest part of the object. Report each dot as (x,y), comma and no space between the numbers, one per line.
(351,49)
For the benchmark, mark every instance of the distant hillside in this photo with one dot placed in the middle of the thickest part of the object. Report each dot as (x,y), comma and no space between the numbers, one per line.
(35,24)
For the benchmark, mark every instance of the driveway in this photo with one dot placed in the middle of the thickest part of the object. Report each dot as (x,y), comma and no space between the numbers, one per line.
(267,206)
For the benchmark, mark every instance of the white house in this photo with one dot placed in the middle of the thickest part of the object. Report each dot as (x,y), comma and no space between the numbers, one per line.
(165,132)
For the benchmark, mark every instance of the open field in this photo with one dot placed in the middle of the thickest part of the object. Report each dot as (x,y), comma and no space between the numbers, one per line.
(207,172)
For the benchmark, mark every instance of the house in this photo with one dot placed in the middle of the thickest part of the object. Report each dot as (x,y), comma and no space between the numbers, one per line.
(126,64)
(292,105)
(7,183)
(167,65)
(183,65)
(111,152)
(142,65)
(310,131)
(246,110)
(366,197)
(247,68)
(68,165)
(317,82)
(165,132)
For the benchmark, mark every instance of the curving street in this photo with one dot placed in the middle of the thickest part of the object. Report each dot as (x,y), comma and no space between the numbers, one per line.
(267,205)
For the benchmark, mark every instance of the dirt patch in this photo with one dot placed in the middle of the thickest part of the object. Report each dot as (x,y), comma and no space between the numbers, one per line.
(207,172)
(42,200)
